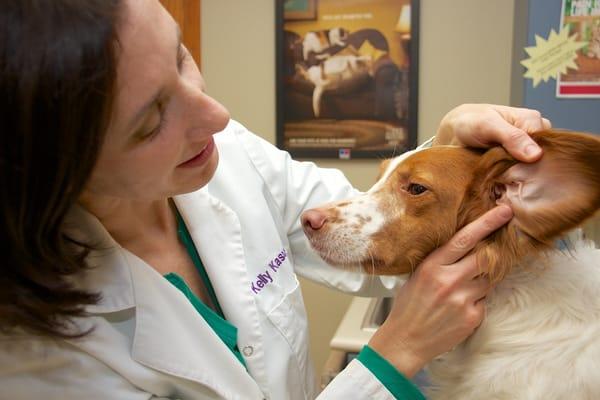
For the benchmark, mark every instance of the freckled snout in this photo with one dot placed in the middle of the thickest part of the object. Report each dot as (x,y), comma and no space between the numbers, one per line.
(340,233)
(313,220)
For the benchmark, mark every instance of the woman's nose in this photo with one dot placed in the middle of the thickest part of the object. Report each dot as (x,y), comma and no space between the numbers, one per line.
(205,114)
(202,110)
(217,114)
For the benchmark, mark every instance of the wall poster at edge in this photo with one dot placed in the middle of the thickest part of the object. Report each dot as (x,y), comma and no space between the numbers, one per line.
(582,17)
(347,77)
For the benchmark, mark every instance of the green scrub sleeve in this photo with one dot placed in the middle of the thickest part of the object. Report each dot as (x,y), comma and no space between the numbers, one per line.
(388,375)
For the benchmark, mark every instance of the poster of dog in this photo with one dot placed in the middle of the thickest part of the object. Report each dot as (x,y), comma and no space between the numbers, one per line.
(347,77)
(582,17)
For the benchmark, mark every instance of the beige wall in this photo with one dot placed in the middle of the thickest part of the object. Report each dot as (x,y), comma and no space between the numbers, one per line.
(465,56)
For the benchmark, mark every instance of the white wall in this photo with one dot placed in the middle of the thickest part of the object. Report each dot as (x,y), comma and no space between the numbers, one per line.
(465,56)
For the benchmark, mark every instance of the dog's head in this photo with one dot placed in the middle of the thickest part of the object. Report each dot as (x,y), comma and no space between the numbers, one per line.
(421,199)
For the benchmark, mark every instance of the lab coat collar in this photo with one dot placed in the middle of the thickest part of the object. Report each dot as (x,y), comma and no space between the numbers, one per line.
(107,274)
(169,334)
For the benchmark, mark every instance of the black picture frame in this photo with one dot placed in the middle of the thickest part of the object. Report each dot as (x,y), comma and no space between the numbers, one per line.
(347,81)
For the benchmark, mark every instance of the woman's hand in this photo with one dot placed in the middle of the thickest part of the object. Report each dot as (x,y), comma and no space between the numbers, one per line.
(441,304)
(484,125)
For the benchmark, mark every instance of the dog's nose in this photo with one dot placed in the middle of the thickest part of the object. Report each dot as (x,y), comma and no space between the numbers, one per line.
(313,220)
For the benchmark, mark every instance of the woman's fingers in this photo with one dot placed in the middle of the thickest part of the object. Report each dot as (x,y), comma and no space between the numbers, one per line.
(546,124)
(477,288)
(464,240)
(512,129)
(485,125)
(519,144)
(442,303)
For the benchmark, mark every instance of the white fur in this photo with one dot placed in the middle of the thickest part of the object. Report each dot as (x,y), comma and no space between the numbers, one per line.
(359,219)
(313,42)
(540,338)
(337,37)
(394,162)
(344,244)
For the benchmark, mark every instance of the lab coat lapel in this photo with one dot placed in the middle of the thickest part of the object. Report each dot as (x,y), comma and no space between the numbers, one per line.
(172,338)
(217,235)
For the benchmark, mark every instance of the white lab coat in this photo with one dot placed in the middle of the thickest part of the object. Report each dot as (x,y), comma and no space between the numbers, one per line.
(149,342)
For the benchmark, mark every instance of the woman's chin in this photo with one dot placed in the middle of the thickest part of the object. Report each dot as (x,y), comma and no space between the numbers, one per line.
(202,176)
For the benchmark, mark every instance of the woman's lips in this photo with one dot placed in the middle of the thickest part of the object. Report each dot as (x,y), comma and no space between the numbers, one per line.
(201,157)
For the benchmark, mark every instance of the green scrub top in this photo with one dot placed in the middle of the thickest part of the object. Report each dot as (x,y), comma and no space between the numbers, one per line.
(214,318)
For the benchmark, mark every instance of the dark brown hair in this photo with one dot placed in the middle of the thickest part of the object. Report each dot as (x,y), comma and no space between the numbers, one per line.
(57,82)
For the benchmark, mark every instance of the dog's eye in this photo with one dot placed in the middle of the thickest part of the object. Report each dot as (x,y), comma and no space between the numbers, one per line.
(415,189)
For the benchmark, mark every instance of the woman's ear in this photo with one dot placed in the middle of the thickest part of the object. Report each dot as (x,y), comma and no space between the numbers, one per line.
(548,197)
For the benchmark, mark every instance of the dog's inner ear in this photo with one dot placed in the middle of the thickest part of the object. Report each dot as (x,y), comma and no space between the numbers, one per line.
(558,192)
(548,197)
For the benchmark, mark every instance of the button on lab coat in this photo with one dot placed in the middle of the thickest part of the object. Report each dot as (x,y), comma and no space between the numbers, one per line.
(147,339)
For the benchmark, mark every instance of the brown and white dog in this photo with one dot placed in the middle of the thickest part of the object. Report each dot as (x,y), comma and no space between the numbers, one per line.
(317,42)
(334,72)
(541,335)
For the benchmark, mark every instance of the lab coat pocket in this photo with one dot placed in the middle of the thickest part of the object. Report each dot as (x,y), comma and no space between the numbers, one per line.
(289,317)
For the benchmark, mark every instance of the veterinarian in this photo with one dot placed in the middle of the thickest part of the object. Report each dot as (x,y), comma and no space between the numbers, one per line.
(134,268)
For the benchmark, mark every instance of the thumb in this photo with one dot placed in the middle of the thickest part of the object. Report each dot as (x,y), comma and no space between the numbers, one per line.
(518,143)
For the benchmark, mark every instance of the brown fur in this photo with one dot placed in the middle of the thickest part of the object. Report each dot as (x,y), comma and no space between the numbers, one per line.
(395,244)
(532,232)
(462,184)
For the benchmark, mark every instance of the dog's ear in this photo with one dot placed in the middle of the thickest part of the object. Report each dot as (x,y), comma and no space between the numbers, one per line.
(548,197)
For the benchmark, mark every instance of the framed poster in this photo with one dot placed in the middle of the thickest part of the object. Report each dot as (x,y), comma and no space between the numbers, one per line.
(582,17)
(347,77)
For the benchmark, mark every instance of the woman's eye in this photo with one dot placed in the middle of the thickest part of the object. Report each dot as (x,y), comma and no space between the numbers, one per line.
(158,125)
(415,189)
(149,133)
(152,133)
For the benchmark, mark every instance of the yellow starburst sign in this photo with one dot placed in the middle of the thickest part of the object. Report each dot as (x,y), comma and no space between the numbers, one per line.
(551,57)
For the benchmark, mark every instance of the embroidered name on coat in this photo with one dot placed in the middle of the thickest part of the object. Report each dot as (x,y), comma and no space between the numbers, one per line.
(264,278)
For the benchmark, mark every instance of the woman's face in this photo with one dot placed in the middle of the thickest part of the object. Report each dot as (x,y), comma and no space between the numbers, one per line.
(159,142)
